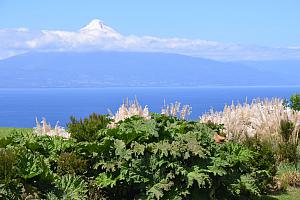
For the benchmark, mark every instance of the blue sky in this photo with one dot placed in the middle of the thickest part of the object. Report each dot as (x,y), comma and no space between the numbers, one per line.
(260,22)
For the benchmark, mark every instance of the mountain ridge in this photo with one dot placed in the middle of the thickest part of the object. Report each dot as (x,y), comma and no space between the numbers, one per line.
(129,69)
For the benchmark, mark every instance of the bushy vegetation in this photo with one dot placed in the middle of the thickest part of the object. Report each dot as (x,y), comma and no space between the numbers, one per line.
(86,129)
(135,154)
(289,175)
(294,102)
(160,157)
(272,125)
(5,131)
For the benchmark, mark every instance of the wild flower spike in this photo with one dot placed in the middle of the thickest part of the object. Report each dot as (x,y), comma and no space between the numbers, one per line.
(260,117)
(174,110)
(127,110)
(46,129)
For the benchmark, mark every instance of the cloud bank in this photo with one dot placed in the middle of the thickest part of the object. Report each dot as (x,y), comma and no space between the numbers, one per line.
(96,36)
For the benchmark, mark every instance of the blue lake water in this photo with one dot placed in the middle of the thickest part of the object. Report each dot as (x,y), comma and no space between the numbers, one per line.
(19,107)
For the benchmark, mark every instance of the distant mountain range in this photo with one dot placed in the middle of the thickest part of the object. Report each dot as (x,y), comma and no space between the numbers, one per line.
(132,69)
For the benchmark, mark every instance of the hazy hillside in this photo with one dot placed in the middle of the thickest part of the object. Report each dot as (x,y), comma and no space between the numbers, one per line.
(105,69)
(287,68)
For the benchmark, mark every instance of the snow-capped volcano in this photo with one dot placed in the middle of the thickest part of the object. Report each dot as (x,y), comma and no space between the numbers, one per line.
(94,24)
(97,36)
(98,26)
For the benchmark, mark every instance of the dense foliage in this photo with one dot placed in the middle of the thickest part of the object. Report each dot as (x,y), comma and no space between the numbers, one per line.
(294,102)
(159,158)
(264,161)
(86,129)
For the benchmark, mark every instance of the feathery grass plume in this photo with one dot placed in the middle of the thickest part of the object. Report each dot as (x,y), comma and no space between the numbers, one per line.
(127,110)
(42,128)
(261,117)
(173,110)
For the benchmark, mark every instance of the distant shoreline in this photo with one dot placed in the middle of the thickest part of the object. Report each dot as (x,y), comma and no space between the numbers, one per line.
(158,87)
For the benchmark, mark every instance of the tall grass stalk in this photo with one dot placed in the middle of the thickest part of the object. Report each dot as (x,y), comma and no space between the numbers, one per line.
(127,110)
(174,110)
(44,128)
(260,117)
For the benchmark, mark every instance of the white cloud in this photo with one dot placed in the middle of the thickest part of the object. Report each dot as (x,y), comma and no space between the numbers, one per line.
(98,36)
(294,47)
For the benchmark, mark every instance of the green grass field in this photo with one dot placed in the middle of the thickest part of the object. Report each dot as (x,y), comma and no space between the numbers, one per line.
(291,194)
(5,131)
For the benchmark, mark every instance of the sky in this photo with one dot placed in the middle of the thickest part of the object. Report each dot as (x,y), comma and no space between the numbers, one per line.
(273,23)
(225,30)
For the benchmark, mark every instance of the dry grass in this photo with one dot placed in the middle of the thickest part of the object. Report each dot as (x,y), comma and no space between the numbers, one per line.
(44,128)
(174,110)
(260,117)
(292,178)
(127,110)
(133,108)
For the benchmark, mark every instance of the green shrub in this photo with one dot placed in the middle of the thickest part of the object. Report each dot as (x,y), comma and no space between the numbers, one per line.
(70,163)
(295,102)
(264,162)
(286,130)
(159,158)
(287,152)
(10,187)
(8,160)
(287,149)
(11,190)
(86,129)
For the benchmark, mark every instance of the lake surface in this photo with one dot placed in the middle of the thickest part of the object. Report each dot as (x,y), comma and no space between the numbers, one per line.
(19,107)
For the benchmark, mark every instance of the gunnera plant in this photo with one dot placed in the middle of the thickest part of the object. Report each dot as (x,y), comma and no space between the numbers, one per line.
(141,157)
